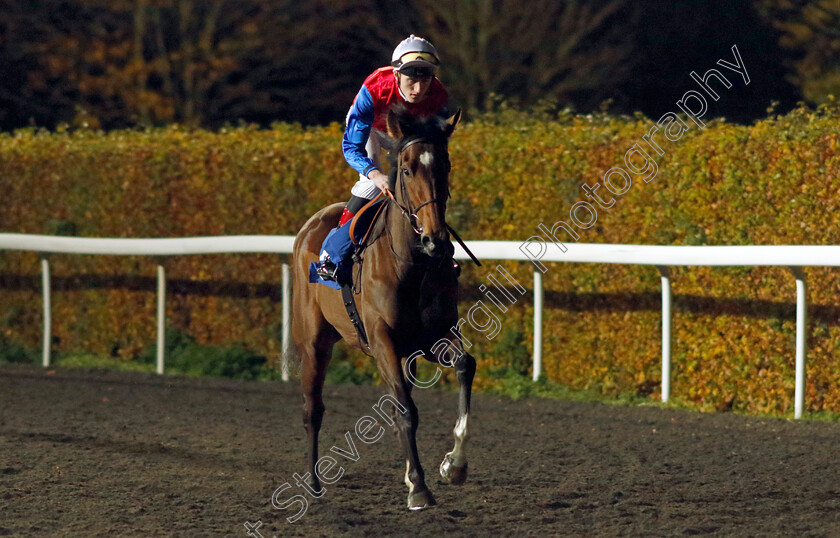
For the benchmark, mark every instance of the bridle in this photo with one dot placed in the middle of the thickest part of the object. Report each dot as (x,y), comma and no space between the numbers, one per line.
(408,212)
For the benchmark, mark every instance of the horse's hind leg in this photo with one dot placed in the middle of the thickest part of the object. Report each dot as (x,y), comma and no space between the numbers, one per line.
(453,469)
(315,357)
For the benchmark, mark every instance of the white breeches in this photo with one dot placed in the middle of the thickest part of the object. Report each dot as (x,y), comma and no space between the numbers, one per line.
(364,188)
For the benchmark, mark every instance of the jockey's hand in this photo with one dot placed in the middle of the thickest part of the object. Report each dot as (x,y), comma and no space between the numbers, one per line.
(380,180)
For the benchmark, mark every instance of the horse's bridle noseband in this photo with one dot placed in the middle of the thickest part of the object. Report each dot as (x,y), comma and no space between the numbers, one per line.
(411,214)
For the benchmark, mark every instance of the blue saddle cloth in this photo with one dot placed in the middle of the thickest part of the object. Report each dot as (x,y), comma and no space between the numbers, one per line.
(339,248)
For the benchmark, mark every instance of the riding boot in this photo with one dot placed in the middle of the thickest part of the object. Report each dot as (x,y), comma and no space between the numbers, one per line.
(353,205)
(328,269)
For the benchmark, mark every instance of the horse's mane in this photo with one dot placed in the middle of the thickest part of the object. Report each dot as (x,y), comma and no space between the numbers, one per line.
(433,127)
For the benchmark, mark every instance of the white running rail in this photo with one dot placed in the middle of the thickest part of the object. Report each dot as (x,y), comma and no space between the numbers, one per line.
(47,244)
(793,256)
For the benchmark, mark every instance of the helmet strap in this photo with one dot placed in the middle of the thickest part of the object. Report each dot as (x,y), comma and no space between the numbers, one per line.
(399,86)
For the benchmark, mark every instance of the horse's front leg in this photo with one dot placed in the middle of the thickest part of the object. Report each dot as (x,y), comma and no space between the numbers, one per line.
(406,421)
(453,469)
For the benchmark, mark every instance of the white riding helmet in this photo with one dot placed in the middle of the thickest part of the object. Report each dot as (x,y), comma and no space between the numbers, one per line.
(415,51)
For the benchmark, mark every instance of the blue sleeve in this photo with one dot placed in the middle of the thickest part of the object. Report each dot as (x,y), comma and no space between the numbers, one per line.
(357,131)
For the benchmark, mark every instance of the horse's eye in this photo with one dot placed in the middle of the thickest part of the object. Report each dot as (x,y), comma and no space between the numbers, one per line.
(406,172)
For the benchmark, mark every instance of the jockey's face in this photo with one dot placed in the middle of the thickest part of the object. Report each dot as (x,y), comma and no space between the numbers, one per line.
(414,89)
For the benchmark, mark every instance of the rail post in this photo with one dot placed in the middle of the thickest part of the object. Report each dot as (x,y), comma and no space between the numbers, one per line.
(46,289)
(538,318)
(665,277)
(161,316)
(801,341)
(286,329)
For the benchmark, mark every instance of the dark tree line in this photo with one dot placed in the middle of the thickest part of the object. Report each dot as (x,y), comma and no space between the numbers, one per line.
(120,63)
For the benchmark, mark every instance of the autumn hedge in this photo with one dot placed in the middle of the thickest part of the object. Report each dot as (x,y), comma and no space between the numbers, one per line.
(774,182)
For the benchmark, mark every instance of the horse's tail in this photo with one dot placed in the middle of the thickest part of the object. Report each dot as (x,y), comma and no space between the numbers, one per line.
(291,357)
(290,360)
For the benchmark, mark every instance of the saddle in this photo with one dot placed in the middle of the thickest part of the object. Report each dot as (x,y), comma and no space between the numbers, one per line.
(355,237)
(362,224)
(360,230)
(345,245)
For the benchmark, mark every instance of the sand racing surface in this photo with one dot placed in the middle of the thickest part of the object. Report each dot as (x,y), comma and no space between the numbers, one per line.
(103,453)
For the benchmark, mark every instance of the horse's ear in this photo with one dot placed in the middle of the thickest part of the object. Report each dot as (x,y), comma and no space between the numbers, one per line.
(393,124)
(388,142)
(453,121)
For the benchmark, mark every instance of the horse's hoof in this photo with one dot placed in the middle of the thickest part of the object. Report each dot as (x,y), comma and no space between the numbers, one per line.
(420,500)
(450,473)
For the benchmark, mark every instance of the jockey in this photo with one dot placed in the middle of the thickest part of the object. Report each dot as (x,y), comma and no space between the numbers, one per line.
(409,81)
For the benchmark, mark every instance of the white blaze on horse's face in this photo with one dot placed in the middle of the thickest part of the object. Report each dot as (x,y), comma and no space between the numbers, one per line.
(427,159)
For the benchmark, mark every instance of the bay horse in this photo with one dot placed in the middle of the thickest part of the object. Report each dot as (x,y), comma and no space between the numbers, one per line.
(407,299)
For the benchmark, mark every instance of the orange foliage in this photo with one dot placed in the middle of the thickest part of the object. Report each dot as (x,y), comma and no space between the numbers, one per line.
(775,182)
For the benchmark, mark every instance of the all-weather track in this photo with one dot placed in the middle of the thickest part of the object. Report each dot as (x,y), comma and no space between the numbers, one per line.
(104,453)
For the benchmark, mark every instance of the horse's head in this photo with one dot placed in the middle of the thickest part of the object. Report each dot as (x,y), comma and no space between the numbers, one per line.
(420,158)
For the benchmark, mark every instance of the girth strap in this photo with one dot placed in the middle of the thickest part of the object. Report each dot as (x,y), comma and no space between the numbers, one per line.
(353,312)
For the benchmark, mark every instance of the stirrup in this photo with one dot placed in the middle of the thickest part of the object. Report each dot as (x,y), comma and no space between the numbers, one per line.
(327,271)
